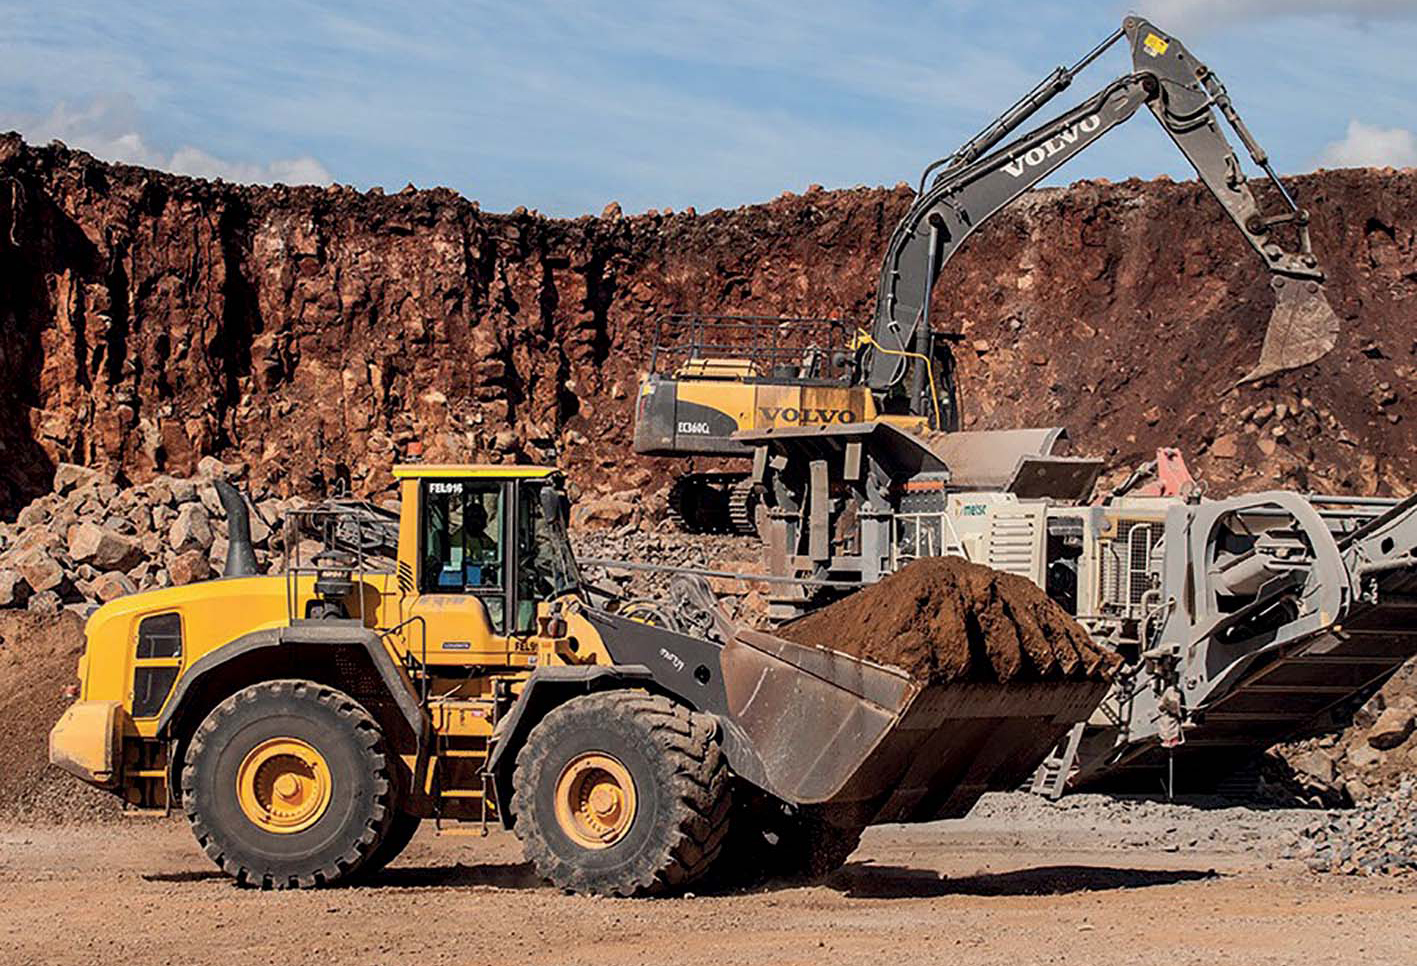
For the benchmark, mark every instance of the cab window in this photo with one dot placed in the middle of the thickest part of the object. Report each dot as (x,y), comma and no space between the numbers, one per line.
(463,541)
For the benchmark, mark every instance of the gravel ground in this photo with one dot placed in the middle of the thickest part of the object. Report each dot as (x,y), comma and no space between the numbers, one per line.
(1091,882)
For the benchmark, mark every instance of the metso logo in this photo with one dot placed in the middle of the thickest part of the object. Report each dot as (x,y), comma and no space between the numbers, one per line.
(1036,156)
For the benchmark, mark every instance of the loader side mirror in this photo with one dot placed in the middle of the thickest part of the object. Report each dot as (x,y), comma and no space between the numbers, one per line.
(554,505)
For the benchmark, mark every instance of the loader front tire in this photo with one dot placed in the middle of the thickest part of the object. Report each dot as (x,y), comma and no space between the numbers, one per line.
(286,785)
(622,793)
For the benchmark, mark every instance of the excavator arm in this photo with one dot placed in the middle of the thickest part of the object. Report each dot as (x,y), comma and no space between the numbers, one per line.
(980,180)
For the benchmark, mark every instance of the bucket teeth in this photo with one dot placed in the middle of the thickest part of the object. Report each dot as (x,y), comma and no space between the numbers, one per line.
(1303,329)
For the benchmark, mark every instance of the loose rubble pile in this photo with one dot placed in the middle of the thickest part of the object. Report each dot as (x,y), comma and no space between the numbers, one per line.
(1369,754)
(657,544)
(92,539)
(38,657)
(1377,838)
(945,619)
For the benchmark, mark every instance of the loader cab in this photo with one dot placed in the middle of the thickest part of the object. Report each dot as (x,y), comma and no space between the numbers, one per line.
(480,548)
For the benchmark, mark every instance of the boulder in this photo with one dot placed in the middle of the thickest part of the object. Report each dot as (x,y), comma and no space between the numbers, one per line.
(1363,756)
(105,549)
(209,499)
(45,602)
(1317,766)
(69,477)
(14,591)
(189,567)
(602,512)
(36,513)
(183,491)
(192,530)
(1391,729)
(39,570)
(112,585)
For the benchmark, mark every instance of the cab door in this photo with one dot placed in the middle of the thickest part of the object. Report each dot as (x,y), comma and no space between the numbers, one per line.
(463,596)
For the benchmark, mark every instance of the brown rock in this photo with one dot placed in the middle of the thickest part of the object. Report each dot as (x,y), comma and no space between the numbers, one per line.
(1362,756)
(105,549)
(189,567)
(1225,447)
(33,514)
(14,591)
(39,570)
(192,530)
(1391,729)
(69,477)
(602,512)
(45,602)
(1317,766)
(112,585)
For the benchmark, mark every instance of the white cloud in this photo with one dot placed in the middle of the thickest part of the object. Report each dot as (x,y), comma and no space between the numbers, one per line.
(1367,145)
(1172,13)
(107,128)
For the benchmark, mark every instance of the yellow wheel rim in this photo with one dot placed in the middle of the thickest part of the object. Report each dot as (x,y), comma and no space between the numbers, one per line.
(283,785)
(595,800)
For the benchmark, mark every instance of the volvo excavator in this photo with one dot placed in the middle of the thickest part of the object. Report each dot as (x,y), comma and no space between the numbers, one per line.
(1242,622)
(710,378)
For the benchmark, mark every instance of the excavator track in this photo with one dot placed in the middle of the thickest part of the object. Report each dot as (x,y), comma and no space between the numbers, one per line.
(743,508)
(713,503)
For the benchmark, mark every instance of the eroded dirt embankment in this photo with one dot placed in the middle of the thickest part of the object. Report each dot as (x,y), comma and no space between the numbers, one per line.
(150,319)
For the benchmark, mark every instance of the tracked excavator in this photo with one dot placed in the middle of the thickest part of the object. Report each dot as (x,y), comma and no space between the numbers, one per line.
(445,662)
(712,377)
(1242,622)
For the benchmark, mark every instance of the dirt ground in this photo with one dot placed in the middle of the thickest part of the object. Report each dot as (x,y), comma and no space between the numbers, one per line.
(1017,882)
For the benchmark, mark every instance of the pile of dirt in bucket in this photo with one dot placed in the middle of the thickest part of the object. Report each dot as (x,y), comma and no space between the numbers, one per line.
(38,656)
(946,619)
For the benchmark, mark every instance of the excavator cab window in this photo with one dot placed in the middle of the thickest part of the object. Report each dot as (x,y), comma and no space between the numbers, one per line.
(463,542)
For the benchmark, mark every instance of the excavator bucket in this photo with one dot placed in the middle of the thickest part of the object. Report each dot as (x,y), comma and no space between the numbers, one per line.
(815,726)
(1303,329)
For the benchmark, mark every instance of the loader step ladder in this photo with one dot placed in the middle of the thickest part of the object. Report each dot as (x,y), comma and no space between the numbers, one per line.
(1052,776)
(456,778)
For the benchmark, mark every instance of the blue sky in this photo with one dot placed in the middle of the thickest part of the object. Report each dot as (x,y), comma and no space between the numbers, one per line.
(565,106)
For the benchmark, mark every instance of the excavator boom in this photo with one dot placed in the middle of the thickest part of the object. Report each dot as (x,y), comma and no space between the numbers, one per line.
(978,181)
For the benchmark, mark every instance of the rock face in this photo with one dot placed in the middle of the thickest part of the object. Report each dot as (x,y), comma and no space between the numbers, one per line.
(150,321)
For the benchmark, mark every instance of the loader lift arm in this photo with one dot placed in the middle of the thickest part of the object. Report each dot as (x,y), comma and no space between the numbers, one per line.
(978,181)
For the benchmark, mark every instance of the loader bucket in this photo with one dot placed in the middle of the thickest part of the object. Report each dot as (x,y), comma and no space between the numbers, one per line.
(1303,329)
(818,727)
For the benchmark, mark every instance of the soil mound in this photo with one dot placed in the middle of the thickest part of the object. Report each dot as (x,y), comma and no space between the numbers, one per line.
(38,656)
(946,619)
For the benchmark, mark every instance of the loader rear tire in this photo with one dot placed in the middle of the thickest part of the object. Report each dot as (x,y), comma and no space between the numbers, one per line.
(286,785)
(622,793)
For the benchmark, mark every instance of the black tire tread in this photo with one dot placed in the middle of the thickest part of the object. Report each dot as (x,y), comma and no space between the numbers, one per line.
(702,806)
(337,868)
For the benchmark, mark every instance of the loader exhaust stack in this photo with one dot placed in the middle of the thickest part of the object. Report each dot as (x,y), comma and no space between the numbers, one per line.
(240,554)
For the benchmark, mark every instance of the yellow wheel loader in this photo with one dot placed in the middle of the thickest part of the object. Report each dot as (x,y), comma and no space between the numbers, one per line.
(444,662)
